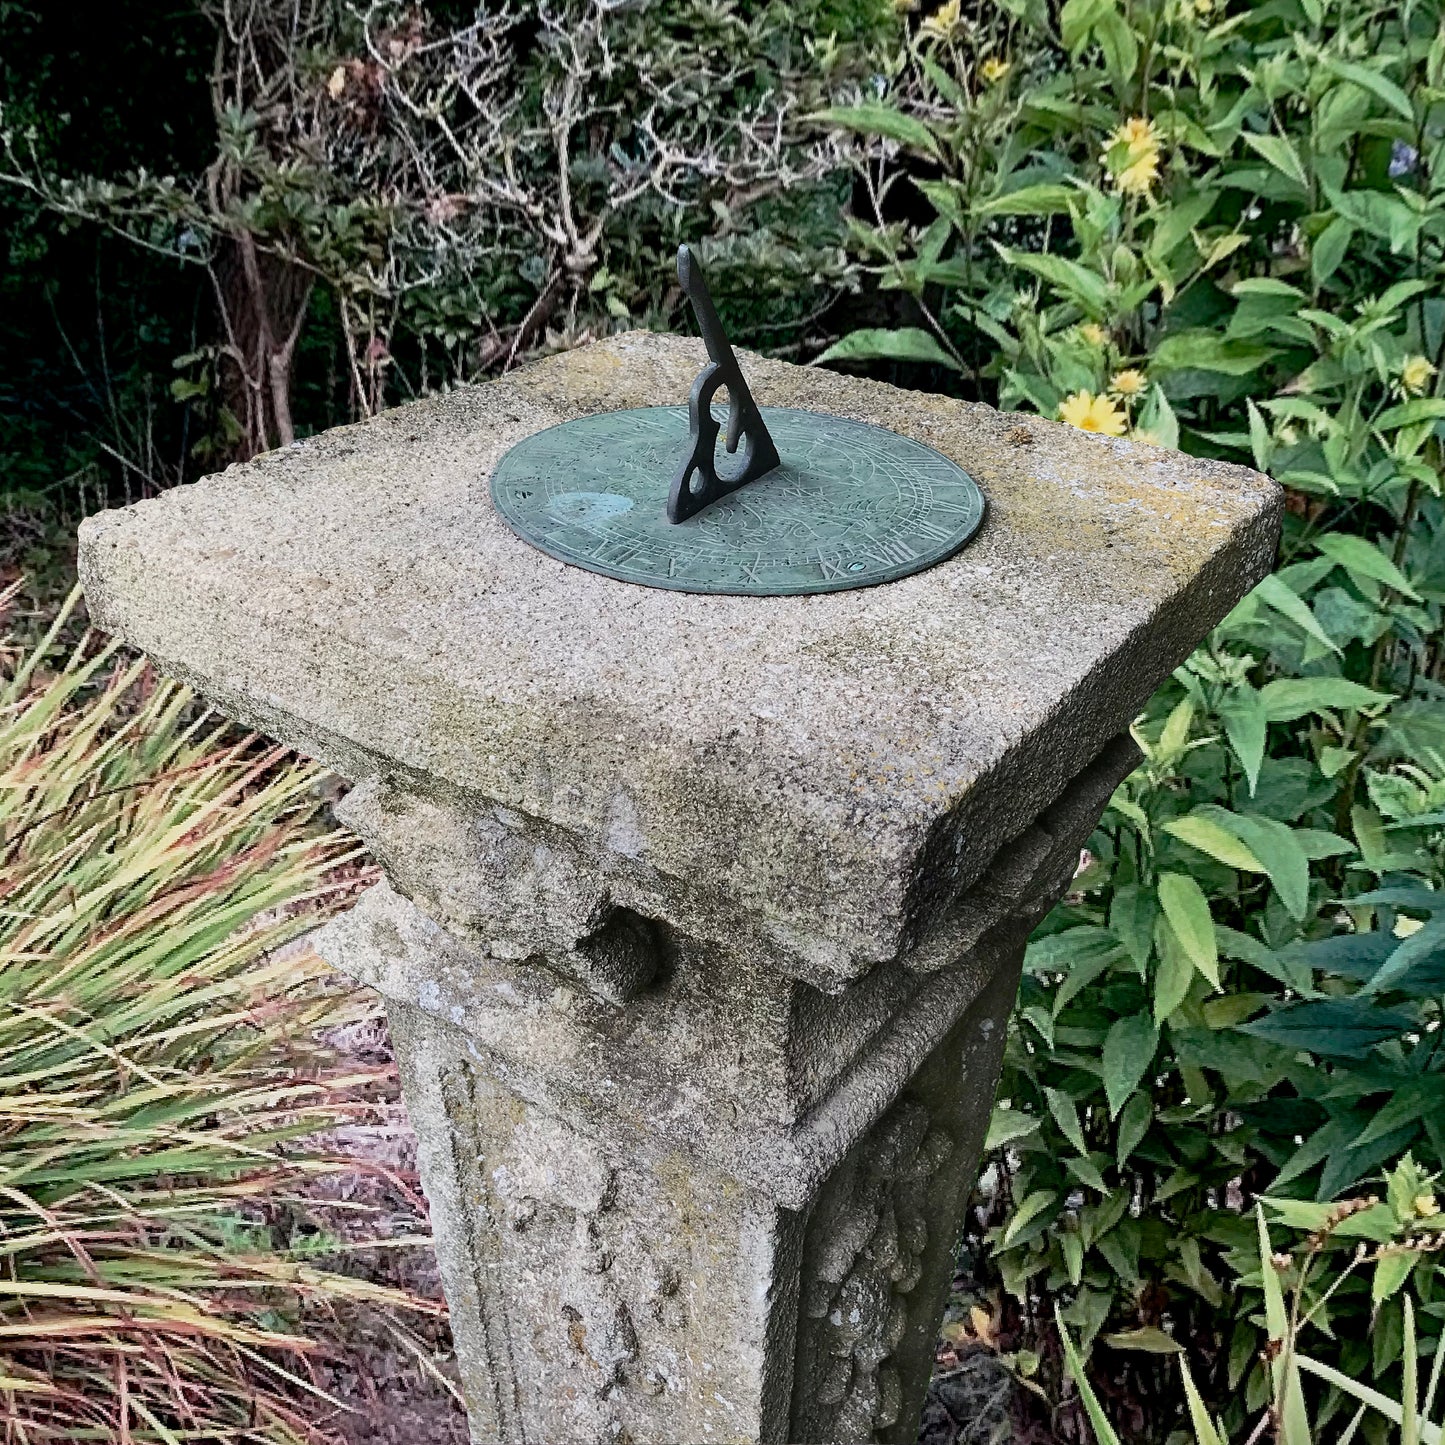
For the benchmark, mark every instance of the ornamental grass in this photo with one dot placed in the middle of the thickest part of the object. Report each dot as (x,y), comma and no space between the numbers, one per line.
(161,1072)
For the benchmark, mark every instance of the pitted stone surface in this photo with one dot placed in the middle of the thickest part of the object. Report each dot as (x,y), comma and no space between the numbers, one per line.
(604,1292)
(763,1077)
(819,774)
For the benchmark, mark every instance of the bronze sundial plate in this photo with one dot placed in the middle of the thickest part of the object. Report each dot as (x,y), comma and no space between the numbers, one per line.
(851,505)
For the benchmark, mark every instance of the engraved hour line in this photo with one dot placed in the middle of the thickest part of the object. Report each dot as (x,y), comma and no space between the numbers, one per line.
(625,552)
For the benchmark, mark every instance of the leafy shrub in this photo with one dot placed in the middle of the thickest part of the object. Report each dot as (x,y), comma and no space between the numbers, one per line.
(1394,1228)
(156,1065)
(438,186)
(1218,227)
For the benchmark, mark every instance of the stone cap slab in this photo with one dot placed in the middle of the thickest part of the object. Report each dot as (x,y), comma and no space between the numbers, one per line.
(823,773)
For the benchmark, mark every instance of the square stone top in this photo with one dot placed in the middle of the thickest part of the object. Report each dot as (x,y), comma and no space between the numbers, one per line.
(823,771)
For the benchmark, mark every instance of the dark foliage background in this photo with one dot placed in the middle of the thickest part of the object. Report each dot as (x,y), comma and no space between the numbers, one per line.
(89,325)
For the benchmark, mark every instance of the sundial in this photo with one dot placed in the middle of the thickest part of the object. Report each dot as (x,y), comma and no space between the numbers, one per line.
(659,496)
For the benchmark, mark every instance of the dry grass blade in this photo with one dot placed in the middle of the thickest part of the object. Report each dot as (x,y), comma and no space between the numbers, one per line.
(156,1068)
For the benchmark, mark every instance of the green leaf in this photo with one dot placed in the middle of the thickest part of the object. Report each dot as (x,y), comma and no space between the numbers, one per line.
(1422,947)
(1343,1028)
(1375,1399)
(1158,418)
(1330,248)
(876,119)
(1071,1246)
(1392,1269)
(1205,1430)
(1129,1049)
(1120,1249)
(1131,920)
(1040,199)
(1261,444)
(1175,974)
(1309,1216)
(946,85)
(1288,1393)
(1104,1432)
(1277,593)
(1304,1214)
(1413,727)
(1278,851)
(1200,831)
(1380,86)
(1359,556)
(1187,910)
(1134,1122)
(1408,413)
(1006,1125)
(1077,18)
(1066,1116)
(1289,698)
(947,198)
(1149,1338)
(1427,900)
(1380,214)
(1034,1204)
(1275,1317)
(1281,154)
(1319,843)
(1121,50)
(1173,223)
(1087,1172)
(1246,725)
(1066,950)
(906,343)
(1284,1372)
(1409,1104)
(1203,350)
(1080,954)
(1077,282)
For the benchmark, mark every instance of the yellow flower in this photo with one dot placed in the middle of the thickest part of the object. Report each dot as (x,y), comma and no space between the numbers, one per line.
(1094,334)
(993,69)
(1137,177)
(944,21)
(1092,413)
(1415,375)
(1426,1206)
(1145,435)
(1132,156)
(1138,134)
(1129,382)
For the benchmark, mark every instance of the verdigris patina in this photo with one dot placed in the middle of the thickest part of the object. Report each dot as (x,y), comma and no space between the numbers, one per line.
(703,914)
(831,503)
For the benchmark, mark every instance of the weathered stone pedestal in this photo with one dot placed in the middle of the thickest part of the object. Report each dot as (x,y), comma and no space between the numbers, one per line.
(703,915)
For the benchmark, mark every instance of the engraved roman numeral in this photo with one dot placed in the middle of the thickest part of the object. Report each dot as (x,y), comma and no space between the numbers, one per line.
(894,550)
(962,508)
(926,528)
